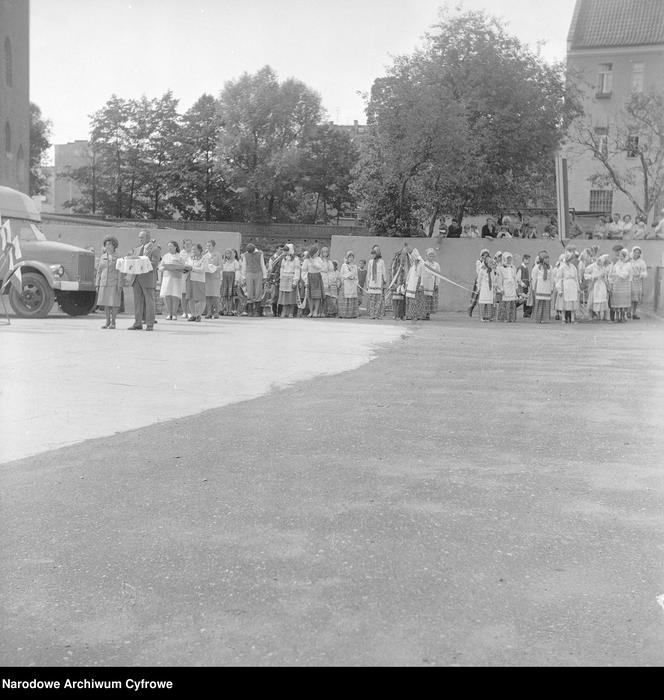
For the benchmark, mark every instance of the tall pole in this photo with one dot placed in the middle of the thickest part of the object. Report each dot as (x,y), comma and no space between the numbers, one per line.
(562,198)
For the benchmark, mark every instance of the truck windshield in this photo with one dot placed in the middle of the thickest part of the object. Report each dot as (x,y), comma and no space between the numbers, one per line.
(26,231)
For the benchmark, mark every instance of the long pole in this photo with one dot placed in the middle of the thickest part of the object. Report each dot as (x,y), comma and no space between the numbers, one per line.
(562,198)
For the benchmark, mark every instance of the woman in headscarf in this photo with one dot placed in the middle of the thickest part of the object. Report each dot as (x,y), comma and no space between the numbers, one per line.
(639,273)
(621,286)
(196,282)
(568,287)
(430,283)
(376,282)
(289,276)
(212,280)
(597,278)
(349,306)
(313,281)
(475,294)
(542,288)
(486,288)
(507,286)
(557,299)
(415,304)
(327,270)
(171,280)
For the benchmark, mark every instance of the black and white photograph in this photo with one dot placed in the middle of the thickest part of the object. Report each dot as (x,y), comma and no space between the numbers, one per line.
(330,337)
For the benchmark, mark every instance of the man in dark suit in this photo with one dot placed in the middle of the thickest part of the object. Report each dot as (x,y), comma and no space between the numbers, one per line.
(455,230)
(143,285)
(489,229)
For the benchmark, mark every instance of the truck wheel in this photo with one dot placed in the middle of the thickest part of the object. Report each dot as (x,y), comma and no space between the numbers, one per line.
(36,298)
(77,303)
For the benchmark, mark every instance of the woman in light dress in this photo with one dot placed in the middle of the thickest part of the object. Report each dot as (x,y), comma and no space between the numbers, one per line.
(172,283)
(567,286)
(349,306)
(506,285)
(415,303)
(486,288)
(109,281)
(621,286)
(289,277)
(312,267)
(597,278)
(196,283)
(212,280)
(543,285)
(639,273)
(230,277)
(327,269)
(376,281)
(430,283)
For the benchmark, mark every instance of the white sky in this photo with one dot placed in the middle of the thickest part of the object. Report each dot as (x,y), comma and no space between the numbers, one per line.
(83,51)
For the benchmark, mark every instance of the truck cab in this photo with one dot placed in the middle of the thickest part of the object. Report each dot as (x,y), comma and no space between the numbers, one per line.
(51,271)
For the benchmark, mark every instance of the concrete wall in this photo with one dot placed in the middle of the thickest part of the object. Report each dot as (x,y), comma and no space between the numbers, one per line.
(86,236)
(457,258)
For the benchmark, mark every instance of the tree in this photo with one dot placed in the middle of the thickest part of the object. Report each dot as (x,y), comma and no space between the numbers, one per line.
(200,190)
(132,158)
(632,157)
(163,138)
(328,159)
(40,134)
(265,123)
(466,124)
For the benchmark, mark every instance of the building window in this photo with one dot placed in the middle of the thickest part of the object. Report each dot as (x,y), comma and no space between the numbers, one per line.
(9,68)
(632,146)
(637,76)
(601,201)
(602,141)
(605,80)
(20,166)
(8,138)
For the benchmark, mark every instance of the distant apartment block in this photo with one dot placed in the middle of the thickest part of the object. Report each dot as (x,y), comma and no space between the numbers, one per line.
(615,48)
(15,94)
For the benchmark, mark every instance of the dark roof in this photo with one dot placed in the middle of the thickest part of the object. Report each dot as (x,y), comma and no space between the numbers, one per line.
(612,23)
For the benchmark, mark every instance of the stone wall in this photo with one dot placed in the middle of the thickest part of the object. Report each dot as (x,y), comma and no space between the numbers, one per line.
(93,236)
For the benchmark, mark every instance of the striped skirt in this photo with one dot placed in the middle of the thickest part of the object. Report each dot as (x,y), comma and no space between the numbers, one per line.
(349,307)
(637,290)
(486,312)
(621,294)
(542,310)
(375,305)
(507,311)
(315,282)
(227,284)
(415,307)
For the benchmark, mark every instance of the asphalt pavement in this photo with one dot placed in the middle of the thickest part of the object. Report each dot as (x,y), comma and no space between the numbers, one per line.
(477,494)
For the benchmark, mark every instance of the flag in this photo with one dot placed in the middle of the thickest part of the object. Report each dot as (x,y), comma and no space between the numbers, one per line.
(5,237)
(15,254)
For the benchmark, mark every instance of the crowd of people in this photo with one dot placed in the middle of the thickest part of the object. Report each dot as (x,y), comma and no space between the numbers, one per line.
(195,282)
(586,285)
(616,227)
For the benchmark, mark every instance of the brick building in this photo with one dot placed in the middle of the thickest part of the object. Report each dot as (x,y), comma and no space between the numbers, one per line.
(615,48)
(15,94)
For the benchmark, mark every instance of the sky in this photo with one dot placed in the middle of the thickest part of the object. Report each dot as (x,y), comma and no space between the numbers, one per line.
(84,51)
